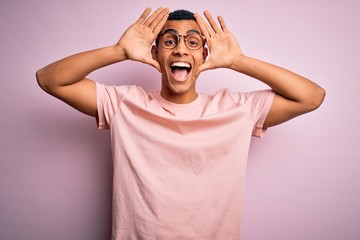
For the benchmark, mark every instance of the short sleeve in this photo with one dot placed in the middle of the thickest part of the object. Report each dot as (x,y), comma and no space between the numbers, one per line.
(107,103)
(258,104)
(261,107)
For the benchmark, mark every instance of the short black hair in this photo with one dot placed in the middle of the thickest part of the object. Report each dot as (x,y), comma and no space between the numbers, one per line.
(181,15)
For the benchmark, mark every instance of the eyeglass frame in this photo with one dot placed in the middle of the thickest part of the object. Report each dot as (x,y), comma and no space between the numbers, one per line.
(171,31)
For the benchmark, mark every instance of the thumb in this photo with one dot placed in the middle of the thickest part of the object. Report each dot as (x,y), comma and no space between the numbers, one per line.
(202,68)
(154,63)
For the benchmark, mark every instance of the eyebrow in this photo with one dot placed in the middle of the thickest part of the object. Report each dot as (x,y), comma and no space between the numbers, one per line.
(176,32)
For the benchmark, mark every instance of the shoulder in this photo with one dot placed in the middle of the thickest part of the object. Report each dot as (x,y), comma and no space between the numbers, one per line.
(222,95)
(113,91)
(225,95)
(224,99)
(253,97)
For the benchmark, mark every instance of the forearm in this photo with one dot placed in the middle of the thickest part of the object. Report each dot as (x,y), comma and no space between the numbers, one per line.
(74,68)
(284,82)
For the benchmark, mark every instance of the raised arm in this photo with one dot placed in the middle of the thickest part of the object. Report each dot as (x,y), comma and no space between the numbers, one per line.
(295,95)
(66,78)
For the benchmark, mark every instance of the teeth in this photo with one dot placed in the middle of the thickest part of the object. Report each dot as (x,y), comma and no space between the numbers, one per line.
(180,64)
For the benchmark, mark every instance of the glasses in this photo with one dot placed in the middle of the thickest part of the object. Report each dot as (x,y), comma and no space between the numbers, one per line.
(170,40)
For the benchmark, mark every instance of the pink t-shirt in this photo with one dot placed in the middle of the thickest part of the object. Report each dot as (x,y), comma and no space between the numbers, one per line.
(179,169)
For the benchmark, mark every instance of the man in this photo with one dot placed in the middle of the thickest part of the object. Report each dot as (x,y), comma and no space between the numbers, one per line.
(179,156)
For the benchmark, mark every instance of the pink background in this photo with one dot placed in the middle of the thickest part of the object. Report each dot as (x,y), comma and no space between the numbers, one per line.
(55,167)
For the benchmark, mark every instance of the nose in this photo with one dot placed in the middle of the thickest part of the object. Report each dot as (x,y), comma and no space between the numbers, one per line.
(181,48)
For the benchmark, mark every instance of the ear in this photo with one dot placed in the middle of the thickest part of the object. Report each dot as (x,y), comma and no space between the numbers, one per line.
(205,54)
(154,52)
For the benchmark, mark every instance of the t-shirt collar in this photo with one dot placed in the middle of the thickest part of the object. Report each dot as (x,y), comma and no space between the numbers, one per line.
(176,106)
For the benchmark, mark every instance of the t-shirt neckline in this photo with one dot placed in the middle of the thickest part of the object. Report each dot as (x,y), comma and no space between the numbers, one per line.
(178,106)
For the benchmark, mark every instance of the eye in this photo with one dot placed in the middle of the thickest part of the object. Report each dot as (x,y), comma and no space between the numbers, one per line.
(169,40)
(193,41)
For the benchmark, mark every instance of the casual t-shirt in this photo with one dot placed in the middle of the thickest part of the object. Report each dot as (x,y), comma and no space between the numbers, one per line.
(179,169)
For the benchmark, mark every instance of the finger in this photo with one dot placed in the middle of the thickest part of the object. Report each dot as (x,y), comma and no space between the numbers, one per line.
(202,68)
(222,24)
(201,24)
(144,16)
(159,21)
(212,22)
(154,63)
(205,28)
(209,29)
(152,17)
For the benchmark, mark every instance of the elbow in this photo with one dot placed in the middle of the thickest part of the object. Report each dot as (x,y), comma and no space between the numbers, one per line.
(41,80)
(316,98)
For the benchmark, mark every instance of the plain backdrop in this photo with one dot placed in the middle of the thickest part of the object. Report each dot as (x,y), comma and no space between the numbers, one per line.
(55,166)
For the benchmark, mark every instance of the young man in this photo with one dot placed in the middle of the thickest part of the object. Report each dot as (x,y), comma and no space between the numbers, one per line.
(179,156)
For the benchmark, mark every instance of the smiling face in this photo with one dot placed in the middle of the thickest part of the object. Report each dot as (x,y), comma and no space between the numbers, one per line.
(179,65)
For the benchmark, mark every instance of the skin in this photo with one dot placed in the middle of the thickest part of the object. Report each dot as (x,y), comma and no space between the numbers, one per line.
(172,90)
(66,78)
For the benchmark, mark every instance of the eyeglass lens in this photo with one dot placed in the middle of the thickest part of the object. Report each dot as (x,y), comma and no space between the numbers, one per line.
(192,41)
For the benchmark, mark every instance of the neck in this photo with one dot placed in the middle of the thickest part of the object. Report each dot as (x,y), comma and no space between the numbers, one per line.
(179,98)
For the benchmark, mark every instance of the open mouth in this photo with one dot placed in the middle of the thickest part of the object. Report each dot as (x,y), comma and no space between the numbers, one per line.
(180,70)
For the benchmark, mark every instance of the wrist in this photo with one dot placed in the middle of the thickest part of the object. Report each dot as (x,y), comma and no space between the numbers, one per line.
(239,63)
(119,53)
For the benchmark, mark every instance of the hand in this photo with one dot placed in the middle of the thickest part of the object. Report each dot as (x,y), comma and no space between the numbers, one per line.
(138,38)
(224,49)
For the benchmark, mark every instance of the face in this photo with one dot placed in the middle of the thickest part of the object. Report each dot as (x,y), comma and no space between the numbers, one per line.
(179,65)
